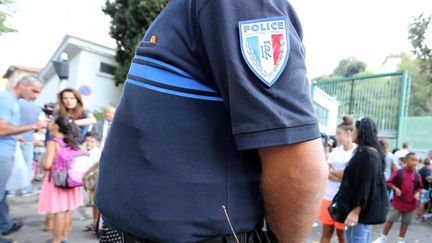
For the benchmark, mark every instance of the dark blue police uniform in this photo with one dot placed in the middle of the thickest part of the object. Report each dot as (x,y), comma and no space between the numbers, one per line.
(218,80)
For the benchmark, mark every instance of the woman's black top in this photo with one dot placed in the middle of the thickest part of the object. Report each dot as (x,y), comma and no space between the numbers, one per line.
(363,184)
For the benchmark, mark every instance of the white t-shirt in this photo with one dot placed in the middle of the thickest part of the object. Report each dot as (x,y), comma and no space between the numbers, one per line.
(95,154)
(41,138)
(338,159)
(389,160)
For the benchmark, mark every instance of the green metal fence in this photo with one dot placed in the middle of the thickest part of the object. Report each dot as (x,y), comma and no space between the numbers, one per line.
(418,133)
(382,97)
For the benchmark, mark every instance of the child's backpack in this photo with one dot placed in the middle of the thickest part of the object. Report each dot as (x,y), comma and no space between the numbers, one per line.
(69,166)
(416,179)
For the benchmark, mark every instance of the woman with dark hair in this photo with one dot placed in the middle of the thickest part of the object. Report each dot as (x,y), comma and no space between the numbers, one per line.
(71,105)
(362,199)
(65,140)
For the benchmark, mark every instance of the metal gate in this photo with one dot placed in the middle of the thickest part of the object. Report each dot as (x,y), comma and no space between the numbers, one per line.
(383,98)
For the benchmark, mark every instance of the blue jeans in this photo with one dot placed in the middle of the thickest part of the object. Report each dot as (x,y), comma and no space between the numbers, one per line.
(6,164)
(6,221)
(361,233)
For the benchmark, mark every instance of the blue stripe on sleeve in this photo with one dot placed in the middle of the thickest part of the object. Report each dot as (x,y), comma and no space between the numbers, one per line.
(172,92)
(165,77)
(171,67)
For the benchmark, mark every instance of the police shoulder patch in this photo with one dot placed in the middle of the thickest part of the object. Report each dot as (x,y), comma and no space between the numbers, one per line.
(265,46)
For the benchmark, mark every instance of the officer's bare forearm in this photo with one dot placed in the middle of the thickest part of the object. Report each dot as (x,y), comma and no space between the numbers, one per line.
(293,181)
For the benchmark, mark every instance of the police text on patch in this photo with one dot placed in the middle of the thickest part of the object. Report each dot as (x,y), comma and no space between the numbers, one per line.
(264,27)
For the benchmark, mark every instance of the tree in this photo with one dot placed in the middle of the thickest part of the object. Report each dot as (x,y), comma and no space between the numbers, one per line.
(417,35)
(420,99)
(349,67)
(130,19)
(420,68)
(4,28)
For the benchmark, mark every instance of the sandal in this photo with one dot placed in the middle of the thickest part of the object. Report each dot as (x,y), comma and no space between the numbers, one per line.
(90,227)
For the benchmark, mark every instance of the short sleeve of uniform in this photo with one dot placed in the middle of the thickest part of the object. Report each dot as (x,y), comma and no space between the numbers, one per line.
(5,108)
(261,116)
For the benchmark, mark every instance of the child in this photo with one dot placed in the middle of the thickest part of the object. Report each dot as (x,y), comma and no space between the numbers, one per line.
(426,176)
(406,186)
(92,142)
(65,136)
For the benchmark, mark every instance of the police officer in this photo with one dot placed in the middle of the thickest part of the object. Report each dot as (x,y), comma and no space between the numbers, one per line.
(215,129)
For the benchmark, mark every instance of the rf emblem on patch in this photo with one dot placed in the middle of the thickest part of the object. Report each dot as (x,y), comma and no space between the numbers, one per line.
(265,47)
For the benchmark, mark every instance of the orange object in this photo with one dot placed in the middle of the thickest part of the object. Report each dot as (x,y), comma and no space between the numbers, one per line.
(326,218)
(153,39)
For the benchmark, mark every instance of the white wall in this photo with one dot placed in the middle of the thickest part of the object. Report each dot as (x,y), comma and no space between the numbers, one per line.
(332,106)
(102,85)
(3,83)
(84,70)
(49,92)
(52,87)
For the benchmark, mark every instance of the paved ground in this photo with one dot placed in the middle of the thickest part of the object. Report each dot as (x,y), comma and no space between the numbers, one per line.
(25,208)
(417,233)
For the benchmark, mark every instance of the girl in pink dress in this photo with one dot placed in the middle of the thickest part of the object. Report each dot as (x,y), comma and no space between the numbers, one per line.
(56,200)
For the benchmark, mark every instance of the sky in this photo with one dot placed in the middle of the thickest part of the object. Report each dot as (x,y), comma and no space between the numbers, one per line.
(42,24)
(369,30)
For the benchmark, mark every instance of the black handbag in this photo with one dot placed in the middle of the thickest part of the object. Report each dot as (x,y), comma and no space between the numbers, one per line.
(339,209)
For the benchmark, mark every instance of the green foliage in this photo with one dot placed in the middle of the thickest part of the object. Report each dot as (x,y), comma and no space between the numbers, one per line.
(130,19)
(4,28)
(349,67)
(420,68)
(326,77)
(417,31)
(365,73)
(98,114)
(421,88)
